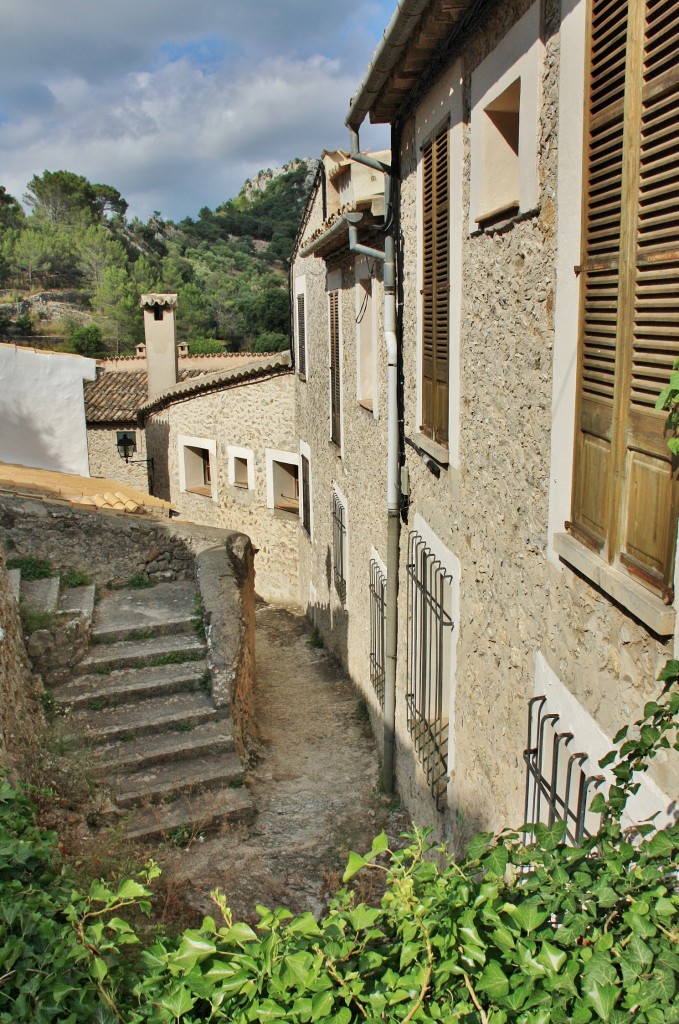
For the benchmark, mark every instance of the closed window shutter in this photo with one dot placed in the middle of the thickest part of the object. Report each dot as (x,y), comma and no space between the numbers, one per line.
(624,494)
(335,424)
(435,287)
(301,335)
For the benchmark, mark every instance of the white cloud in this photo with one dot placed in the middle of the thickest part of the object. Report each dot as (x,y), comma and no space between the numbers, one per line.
(174,103)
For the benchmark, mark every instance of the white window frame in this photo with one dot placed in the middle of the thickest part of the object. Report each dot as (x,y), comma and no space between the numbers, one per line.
(444,102)
(367,326)
(305,450)
(518,56)
(233,452)
(275,456)
(185,441)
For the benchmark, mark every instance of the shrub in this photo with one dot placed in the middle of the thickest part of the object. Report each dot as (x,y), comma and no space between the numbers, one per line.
(31,568)
(205,346)
(75,578)
(140,581)
(270,341)
(87,341)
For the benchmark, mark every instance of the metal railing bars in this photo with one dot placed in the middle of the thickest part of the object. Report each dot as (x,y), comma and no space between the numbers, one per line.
(378,606)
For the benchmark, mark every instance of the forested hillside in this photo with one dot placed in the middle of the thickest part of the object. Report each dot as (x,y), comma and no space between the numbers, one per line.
(227,265)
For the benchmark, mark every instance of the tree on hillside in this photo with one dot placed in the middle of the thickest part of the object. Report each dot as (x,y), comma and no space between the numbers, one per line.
(96,251)
(11,213)
(61,197)
(116,298)
(109,200)
(39,253)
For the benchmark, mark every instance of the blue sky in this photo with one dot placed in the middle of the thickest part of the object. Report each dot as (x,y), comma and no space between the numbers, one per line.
(176,102)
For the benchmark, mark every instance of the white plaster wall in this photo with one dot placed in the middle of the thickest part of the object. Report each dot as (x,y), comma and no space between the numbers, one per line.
(42,409)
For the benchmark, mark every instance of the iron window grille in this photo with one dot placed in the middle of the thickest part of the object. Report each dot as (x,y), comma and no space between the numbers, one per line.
(430,630)
(378,596)
(339,540)
(558,786)
(335,372)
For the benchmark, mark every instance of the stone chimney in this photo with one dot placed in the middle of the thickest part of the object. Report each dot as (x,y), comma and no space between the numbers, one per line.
(161,342)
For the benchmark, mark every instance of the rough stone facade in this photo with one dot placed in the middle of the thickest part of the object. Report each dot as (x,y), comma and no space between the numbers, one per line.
(519,608)
(20,711)
(255,415)
(107,463)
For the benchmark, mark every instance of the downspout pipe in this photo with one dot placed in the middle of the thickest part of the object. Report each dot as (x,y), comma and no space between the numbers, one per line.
(393,464)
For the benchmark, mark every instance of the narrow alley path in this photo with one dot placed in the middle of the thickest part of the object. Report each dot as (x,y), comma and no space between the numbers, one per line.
(314,785)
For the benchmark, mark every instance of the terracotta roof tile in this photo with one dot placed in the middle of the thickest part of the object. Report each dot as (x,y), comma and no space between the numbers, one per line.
(116,395)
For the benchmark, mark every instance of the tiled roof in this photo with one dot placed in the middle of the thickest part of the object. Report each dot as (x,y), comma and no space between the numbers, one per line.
(116,395)
(205,382)
(94,492)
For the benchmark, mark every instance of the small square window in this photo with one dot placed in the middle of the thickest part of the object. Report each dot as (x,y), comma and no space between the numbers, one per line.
(501,185)
(196,466)
(241,467)
(285,487)
(240,472)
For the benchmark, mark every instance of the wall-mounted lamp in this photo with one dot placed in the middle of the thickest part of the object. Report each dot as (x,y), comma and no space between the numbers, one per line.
(126,443)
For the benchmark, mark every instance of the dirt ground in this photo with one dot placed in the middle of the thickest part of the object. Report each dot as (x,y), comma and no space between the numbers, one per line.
(314,784)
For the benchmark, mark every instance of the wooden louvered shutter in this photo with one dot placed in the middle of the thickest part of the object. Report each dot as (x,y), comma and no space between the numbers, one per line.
(301,335)
(624,502)
(335,421)
(435,287)
(306,495)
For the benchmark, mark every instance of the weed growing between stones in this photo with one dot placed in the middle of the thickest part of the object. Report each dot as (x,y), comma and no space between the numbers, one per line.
(198,617)
(31,568)
(140,581)
(315,639)
(176,658)
(33,619)
(75,578)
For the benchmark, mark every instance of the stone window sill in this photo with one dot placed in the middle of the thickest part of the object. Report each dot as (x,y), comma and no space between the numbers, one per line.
(280,513)
(633,596)
(205,491)
(433,448)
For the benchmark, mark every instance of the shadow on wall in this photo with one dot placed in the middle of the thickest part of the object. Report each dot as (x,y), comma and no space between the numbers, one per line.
(157,448)
(21,444)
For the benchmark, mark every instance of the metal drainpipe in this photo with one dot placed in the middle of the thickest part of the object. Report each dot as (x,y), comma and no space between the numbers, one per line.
(393,467)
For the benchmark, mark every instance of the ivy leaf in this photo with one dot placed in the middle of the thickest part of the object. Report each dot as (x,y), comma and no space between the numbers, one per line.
(660,845)
(496,861)
(178,1002)
(356,862)
(321,1005)
(240,933)
(603,998)
(363,917)
(550,837)
(98,969)
(194,948)
(528,917)
(380,844)
(478,845)
(551,957)
(300,967)
(131,890)
(493,980)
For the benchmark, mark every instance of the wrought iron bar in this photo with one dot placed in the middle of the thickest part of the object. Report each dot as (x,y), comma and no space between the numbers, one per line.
(378,605)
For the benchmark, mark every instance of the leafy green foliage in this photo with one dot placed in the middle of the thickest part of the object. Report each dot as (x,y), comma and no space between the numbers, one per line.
(31,568)
(270,341)
(511,934)
(87,340)
(669,399)
(140,581)
(75,578)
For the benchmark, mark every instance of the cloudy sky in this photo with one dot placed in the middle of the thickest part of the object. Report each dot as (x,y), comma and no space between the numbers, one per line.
(176,102)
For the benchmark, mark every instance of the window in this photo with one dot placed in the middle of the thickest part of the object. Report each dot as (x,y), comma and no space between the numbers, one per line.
(282,478)
(158,312)
(430,638)
(335,371)
(197,466)
(559,786)
(624,484)
(339,546)
(378,610)
(300,313)
(501,154)
(241,467)
(435,287)
(366,352)
(306,494)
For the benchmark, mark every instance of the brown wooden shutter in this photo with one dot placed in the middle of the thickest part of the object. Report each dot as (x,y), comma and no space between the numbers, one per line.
(306,495)
(335,420)
(624,501)
(301,335)
(435,287)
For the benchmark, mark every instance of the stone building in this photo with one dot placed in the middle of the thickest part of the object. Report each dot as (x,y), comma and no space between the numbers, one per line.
(534,582)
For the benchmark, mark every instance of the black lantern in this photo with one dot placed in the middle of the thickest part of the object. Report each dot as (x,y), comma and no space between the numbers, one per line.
(126,443)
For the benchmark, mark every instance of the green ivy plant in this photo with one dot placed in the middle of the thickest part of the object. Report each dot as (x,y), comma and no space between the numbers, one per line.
(669,399)
(515,933)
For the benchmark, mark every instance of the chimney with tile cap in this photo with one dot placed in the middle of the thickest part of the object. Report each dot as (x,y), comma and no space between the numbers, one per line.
(161,341)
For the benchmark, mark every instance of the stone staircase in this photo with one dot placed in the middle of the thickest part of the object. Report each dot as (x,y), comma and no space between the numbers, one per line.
(140,701)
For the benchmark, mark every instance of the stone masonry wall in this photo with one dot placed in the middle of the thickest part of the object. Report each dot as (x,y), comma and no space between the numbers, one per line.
(20,711)
(106,462)
(358,470)
(255,415)
(493,513)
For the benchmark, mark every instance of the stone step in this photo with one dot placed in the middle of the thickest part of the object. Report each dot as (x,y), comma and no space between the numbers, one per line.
(78,599)
(158,611)
(41,595)
(194,815)
(131,653)
(15,582)
(167,781)
(156,714)
(211,738)
(124,685)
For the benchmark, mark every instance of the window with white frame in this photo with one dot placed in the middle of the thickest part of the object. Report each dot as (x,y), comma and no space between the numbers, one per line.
(241,467)
(430,661)
(305,485)
(197,466)
(366,349)
(300,325)
(504,126)
(282,481)
(339,545)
